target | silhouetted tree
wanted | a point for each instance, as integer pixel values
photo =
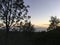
(12, 11)
(54, 21)
(28, 27)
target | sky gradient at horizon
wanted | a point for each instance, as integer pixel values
(42, 10)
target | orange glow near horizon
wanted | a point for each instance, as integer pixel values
(41, 24)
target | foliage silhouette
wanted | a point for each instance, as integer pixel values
(12, 11)
(28, 27)
(54, 22)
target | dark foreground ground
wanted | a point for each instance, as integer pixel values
(30, 38)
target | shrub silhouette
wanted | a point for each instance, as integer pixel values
(54, 21)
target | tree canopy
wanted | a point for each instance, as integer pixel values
(53, 22)
(13, 11)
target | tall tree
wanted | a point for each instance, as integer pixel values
(53, 23)
(12, 11)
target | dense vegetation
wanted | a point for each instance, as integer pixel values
(30, 38)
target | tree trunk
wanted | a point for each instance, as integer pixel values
(7, 29)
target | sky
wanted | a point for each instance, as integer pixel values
(41, 10)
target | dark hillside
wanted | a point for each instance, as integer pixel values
(31, 38)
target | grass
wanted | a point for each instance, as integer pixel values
(30, 38)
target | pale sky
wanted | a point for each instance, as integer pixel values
(41, 10)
